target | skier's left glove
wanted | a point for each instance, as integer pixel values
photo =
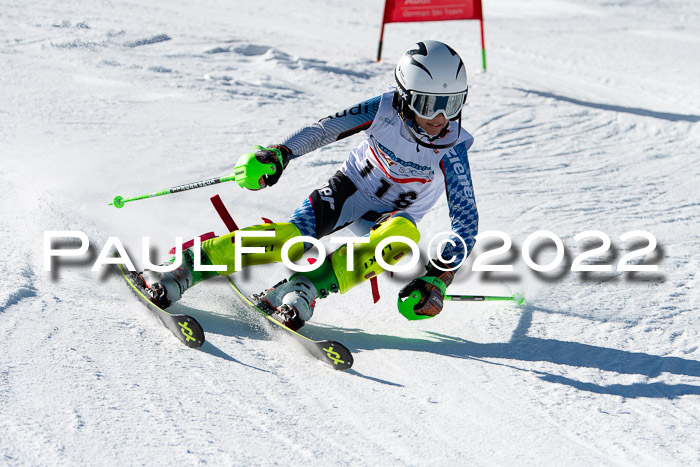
(262, 168)
(423, 297)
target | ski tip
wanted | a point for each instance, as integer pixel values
(189, 331)
(334, 354)
(186, 329)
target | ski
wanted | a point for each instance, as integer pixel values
(184, 327)
(333, 353)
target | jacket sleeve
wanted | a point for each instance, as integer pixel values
(462, 205)
(333, 128)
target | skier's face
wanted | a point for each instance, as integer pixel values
(434, 126)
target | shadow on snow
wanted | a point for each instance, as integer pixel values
(244, 325)
(523, 348)
(616, 108)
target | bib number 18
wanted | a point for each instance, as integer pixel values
(404, 200)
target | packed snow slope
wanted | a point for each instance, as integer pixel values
(587, 120)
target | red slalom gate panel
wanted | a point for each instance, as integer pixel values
(404, 11)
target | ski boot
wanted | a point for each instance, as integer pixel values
(291, 302)
(165, 288)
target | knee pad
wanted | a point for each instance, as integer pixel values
(222, 250)
(364, 264)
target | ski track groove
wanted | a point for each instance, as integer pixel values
(24, 292)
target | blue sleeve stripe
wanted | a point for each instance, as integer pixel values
(461, 203)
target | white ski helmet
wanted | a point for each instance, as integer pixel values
(431, 79)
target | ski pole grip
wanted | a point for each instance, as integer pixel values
(249, 171)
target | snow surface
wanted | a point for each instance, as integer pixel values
(587, 119)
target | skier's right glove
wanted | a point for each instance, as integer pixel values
(263, 168)
(423, 297)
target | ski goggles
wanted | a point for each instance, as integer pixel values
(429, 105)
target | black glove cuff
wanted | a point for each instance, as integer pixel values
(286, 154)
(267, 155)
(445, 276)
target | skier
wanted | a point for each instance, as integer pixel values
(414, 149)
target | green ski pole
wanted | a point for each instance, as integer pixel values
(248, 173)
(484, 298)
(119, 201)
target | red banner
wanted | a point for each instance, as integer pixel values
(402, 11)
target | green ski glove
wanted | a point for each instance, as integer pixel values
(423, 297)
(263, 168)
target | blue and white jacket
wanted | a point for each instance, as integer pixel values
(394, 172)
